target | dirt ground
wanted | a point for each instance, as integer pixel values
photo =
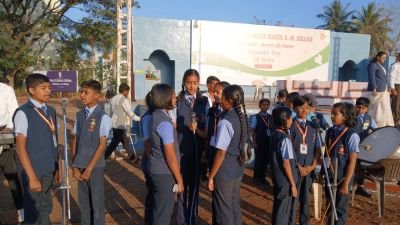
(125, 194)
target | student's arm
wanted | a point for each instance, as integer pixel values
(76, 173)
(289, 173)
(351, 163)
(170, 156)
(219, 158)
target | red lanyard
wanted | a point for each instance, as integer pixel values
(48, 122)
(262, 117)
(303, 133)
(331, 145)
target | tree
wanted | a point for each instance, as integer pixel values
(337, 17)
(371, 20)
(24, 24)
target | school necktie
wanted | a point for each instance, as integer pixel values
(86, 113)
(44, 109)
(191, 100)
(302, 124)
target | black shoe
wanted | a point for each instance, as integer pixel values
(361, 191)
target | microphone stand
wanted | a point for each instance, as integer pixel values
(66, 209)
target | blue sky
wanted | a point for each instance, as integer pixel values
(300, 13)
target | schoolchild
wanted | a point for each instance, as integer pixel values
(213, 117)
(314, 116)
(365, 124)
(37, 151)
(92, 126)
(307, 146)
(192, 110)
(145, 123)
(281, 98)
(261, 127)
(165, 177)
(289, 101)
(211, 81)
(342, 145)
(227, 169)
(284, 166)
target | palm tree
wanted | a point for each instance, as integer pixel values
(337, 17)
(372, 21)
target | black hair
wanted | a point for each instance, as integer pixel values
(235, 94)
(35, 79)
(349, 112)
(281, 115)
(92, 84)
(4, 80)
(263, 100)
(223, 84)
(312, 100)
(283, 93)
(379, 54)
(161, 96)
(123, 87)
(300, 101)
(149, 103)
(211, 79)
(188, 73)
(292, 95)
(363, 101)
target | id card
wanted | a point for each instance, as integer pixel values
(365, 125)
(55, 140)
(268, 132)
(303, 149)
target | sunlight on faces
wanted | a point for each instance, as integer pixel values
(218, 93)
(337, 117)
(41, 92)
(192, 84)
(264, 106)
(302, 111)
(89, 96)
(361, 110)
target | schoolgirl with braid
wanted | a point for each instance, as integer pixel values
(191, 110)
(227, 170)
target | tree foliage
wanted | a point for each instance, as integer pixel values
(337, 17)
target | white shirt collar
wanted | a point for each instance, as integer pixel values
(37, 104)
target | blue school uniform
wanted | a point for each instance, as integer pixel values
(145, 123)
(303, 134)
(214, 116)
(161, 177)
(191, 147)
(41, 148)
(262, 124)
(226, 195)
(91, 124)
(282, 149)
(347, 143)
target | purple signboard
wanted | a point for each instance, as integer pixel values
(63, 81)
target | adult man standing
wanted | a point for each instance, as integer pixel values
(394, 80)
(121, 116)
(8, 160)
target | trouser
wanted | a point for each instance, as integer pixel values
(119, 136)
(163, 201)
(187, 205)
(148, 205)
(91, 198)
(226, 202)
(260, 162)
(37, 205)
(304, 201)
(283, 210)
(8, 165)
(396, 104)
(342, 204)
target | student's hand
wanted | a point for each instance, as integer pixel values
(211, 184)
(303, 171)
(181, 188)
(344, 189)
(193, 127)
(86, 174)
(293, 190)
(76, 174)
(35, 185)
(393, 92)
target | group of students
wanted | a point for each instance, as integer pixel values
(184, 136)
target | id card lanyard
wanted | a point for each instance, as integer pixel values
(50, 124)
(303, 145)
(332, 144)
(266, 124)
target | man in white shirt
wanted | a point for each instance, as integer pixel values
(8, 165)
(394, 79)
(211, 81)
(121, 120)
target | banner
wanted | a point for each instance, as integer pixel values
(63, 81)
(244, 54)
